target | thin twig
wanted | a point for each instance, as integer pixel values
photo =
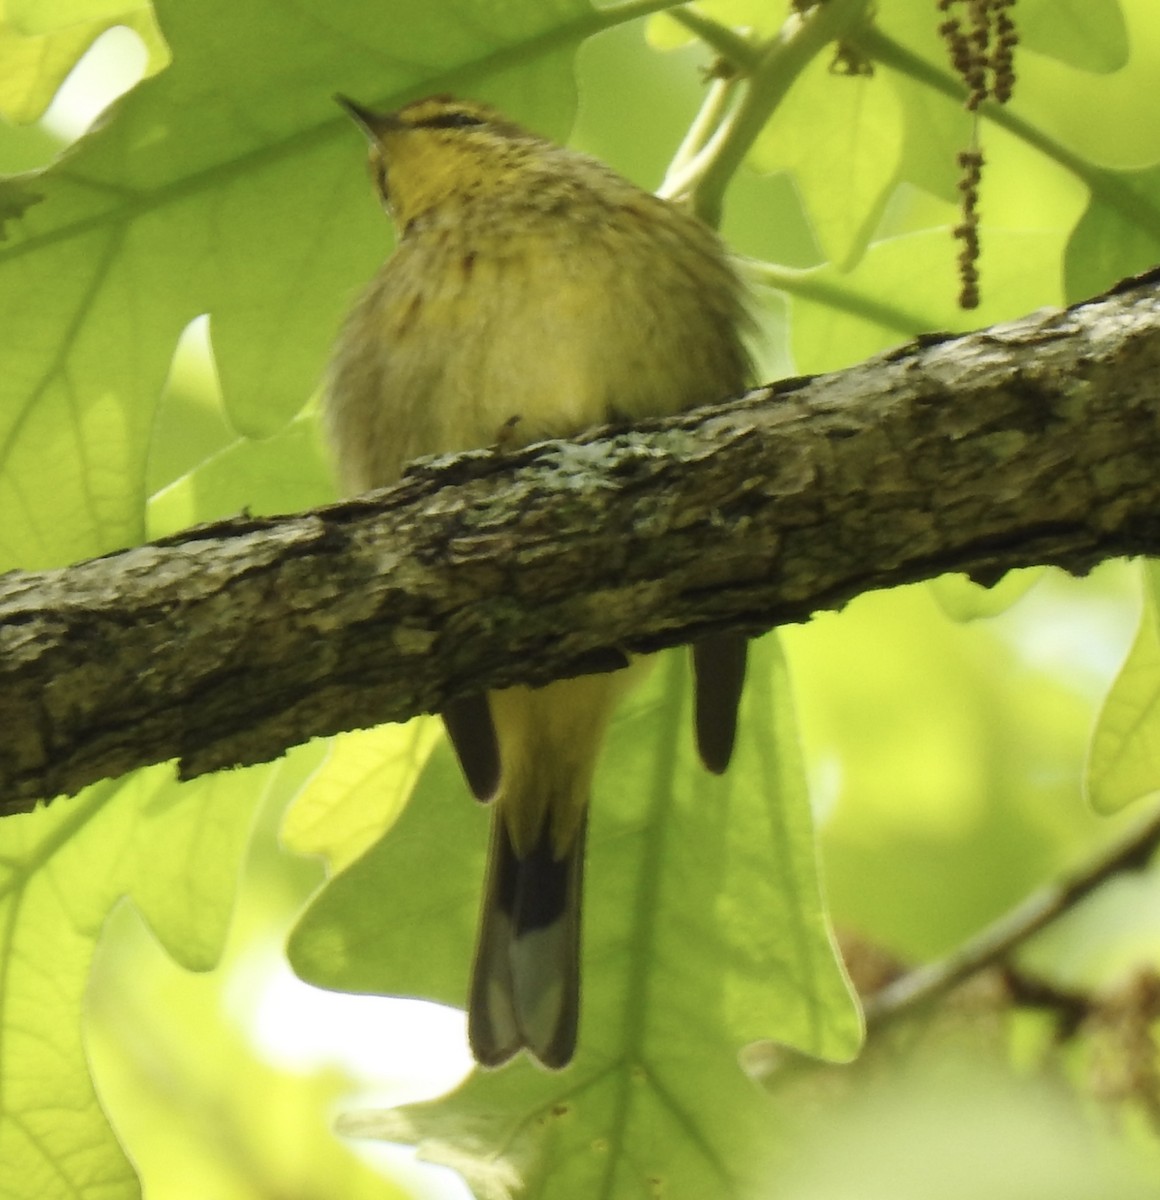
(917, 990)
(920, 987)
(678, 179)
(737, 50)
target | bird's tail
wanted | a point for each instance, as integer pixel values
(525, 989)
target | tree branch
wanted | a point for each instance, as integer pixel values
(1030, 442)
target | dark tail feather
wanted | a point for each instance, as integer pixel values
(719, 671)
(525, 989)
(469, 726)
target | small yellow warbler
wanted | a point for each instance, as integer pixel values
(533, 293)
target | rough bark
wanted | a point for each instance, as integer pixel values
(1030, 442)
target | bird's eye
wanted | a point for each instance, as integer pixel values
(456, 119)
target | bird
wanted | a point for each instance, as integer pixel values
(532, 293)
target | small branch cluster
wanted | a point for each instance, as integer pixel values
(1113, 1030)
(1123, 1065)
(981, 50)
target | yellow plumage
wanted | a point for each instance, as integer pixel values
(533, 293)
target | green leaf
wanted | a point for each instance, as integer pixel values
(1119, 233)
(840, 136)
(936, 125)
(678, 1128)
(947, 757)
(1061, 43)
(908, 285)
(962, 599)
(704, 930)
(16, 197)
(40, 43)
(1060, 100)
(1088, 34)
(936, 128)
(282, 473)
(176, 850)
(1124, 760)
(358, 791)
(758, 19)
(1051, 115)
(50, 16)
(230, 184)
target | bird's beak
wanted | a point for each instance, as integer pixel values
(373, 124)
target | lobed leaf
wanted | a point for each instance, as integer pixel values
(704, 931)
